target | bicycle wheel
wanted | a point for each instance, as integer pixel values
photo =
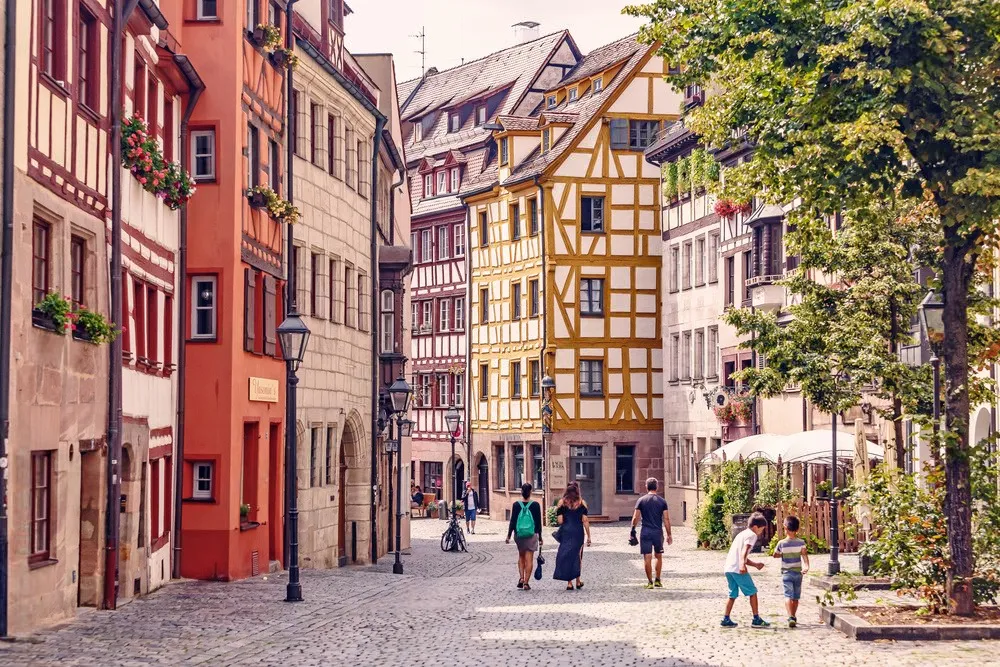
(446, 541)
(461, 540)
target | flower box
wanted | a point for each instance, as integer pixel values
(258, 200)
(279, 58)
(79, 333)
(42, 320)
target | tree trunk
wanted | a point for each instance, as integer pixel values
(897, 402)
(957, 270)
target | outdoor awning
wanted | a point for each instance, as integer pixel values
(762, 446)
(804, 447)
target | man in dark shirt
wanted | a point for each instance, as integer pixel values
(652, 510)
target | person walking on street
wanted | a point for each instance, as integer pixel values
(526, 527)
(471, 499)
(652, 510)
(573, 524)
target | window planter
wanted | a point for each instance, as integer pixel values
(266, 36)
(258, 200)
(42, 320)
(284, 59)
(82, 334)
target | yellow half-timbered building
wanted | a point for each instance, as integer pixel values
(565, 282)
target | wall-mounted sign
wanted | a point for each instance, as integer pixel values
(263, 390)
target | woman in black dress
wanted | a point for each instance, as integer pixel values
(573, 525)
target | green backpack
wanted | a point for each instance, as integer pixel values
(525, 526)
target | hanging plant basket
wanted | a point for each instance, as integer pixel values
(257, 200)
(284, 59)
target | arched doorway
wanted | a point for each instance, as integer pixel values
(129, 533)
(483, 483)
(352, 494)
(459, 478)
(980, 426)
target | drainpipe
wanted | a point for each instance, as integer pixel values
(197, 87)
(392, 205)
(380, 121)
(6, 285)
(468, 323)
(290, 296)
(547, 479)
(113, 518)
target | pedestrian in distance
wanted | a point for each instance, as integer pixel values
(471, 500)
(792, 552)
(651, 509)
(416, 497)
(571, 515)
(526, 527)
(737, 577)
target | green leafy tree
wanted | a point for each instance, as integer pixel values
(849, 101)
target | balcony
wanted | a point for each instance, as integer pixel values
(767, 296)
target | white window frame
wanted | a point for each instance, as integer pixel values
(458, 235)
(460, 313)
(202, 16)
(552, 101)
(597, 85)
(443, 389)
(443, 246)
(480, 115)
(197, 476)
(195, 135)
(459, 389)
(414, 315)
(196, 284)
(426, 246)
(442, 182)
(444, 314)
(388, 303)
(572, 94)
(425, 390)
(427, 322)
(455, 180)
(428, 185)
(418, 130)
(454, 122)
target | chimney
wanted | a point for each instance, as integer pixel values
(431, 71)
(525, 31)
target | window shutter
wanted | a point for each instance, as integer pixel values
(249, 321)
(619, 133)
(270, 316)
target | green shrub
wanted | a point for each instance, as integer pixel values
(710, 524)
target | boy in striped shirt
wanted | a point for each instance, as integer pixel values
(792, 552)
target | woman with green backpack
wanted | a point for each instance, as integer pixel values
(526, 527)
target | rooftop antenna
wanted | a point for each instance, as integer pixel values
(422, 36)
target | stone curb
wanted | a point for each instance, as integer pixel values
(833, 584)
(860, 630)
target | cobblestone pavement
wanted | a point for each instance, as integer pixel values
(463, 609)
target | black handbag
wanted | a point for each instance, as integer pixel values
(538, 567)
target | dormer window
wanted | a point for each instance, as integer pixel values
(503, 151)
(428, 186)
(442, 182)
(481, 115)
(454, 123)
(598, 85)
(552, 101)
(455, 179)
(546, 139)
(418, 131)
(572, 94)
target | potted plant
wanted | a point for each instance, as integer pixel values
(432, 510)
(266, 36)
(93, 327)
(670, 181)
(260, 196)
(823, 490)
(244, 514)
(54, 312)
(282, 57)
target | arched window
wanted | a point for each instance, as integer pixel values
(388, 305)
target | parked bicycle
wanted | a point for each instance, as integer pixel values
(453, 538)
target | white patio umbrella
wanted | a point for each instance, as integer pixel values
(762, 446)
(814, 447)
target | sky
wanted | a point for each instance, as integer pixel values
(470, 29)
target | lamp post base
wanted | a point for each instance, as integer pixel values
(293, 592)
(833, 568)
(397, 568)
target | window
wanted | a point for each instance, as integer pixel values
(484, 230)
(699, 354)
(598, 85)
(712, 353)
(207, 9)
(428, 185)
(53, 38)
(253, 156)
(331, 455)
(515, 301)
(77, 256)
(433, 475)
(364, 302)
(293, 123)
(203, 479)
(675, 368)
(41, 506)
(518, 465)
(87, 86)
(41, 252)
(168, 127)
(314, 265)
(747, 275)
(699, 261)
(425, 390)
(253, 14)
(536, 466)
(314, 133)
(686, 355)
(689, 455)
(515, 379)
(203, 315)
(152, 103)
(139, 307)
(484, 382)
(535, 379)
(533, 217)
(458, 236)
(460, 389)
(546, 139)
(444, 314)
(503, 151)
(592, 377)
(730, 280)
(514, 214)
(533, 306)
(625, 469)
(443, 245)
(455, 180)
(480, 115)
(460, 313)
(713, 258)
(426, 246)
(552, 101)
(442, 182)
(334, 296)
(274, 164)
(442, 387)
(686, 266)
(454, 122)
(591, 296)
(675, 448)
(203, 154)
(500, 456)
(418, 130)
(152, 325)
(364, 170)
(426, 325)
(572, 94)
(642, 133)
(139, 86)
(592, 212)
(675, 268)
(332, 163)
(273, 13)
(484, 305)
(314, 456)
(387, 306)
(414, 317)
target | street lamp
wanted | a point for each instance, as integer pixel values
(931, 313)
(548, 388)
(453, 419)
(294, 336)
(400, 395)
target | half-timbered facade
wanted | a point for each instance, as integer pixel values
(447, 119)
(578, 162)
(234, 414)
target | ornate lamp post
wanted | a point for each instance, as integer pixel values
(454, 420)
(548, 389)
(294, 336)
(931, 312)
(400, 395)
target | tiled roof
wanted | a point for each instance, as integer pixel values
(560, 116)
(518, 123)
(508, 74)
(602, 58)
(473, 178)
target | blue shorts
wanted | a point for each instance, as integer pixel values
(650, 543)
(740, 583)
(470, 515)
(792, 581)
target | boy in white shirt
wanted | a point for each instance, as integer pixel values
(736, 570)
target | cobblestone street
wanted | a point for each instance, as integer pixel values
(464, 609)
